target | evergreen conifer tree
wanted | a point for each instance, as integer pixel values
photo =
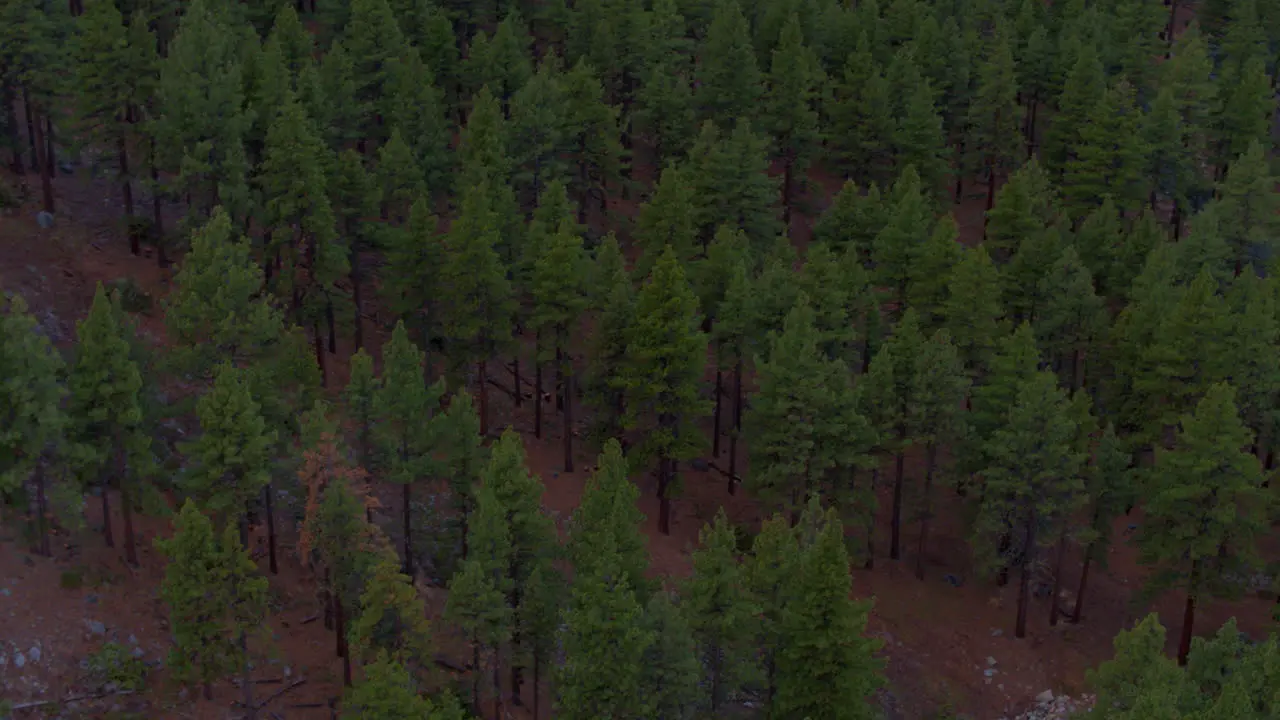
(1249, 205)
(729, 178)
(373, 41)
(994, 115)
(559, 296)
(415, 106)
(665, 356)
(669, 684)
(613, 297)
(668, 222)
(790, 113)
(1110, 487)
(110, 443)
(770, 571)
(852, 221)
(608, 516)
(972, 312)
(215, 599)
(1205, 497)
(721, 619)
(729, 82)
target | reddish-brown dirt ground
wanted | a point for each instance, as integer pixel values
(939, 639)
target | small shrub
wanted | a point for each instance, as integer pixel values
(133, 299)
(113, 664)
(71, 580)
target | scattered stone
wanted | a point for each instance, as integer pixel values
(700, 464)
(44, 219)
(953, 580)
(1045, 697)
(996, 632)
(34, 653)
(19, 660)
(91, 598)
(67, 167)
(5, 592)
(138, 652)
(991, 662)
(26, 560)
(288, 671)
(989, 672)
(96, 627)
(133, 639)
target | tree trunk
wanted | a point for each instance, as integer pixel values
(1002, 549)
(566, 380)
(1189, 615)
(871, 526)
(157, 217)
(1084, 578)
(537, 686)
(318, 342)
(271, 528)
(407, 499)
(1024, 578)
(931, 461)
(106, 514)
(537, 398)
(357, 297)
(475, 673)
(559, 377)
(7, 99)
(1054, 603)
(664, 502)
(333, 322)
(126, 194)
(715, 417)
(42, 159)
(130, 544)
(515, 371)
(326, 601)
(484, 398)
(1173, 15)
(895, 522)
(497, 683)
(246, 680)
(737, 425)
(42, 512)
(208, 690)
(787, 171)
(339, 626)
(32, 140)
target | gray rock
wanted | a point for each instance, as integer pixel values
(5, 592)
(138, 652)
(95, 627)
(34, 653)
(700, 464)
(991, 662)
(19, 660)
(133, 639)
(1045, 697)
(91, 598)
(989, 672)
(67, 167)
(996, 632)
(44, 219)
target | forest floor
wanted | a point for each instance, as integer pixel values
(949, 642)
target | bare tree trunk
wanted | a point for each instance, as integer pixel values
(1055, 604)
(271, 528)
(931, 461)
(566, 381)
(537, 687)
(1024, 578)
(157, 217)
(107, 535)
(871, 526)
(497, 683)
(664, 502)
(42, 511)
(126, 194)
(333, 322)
(1189, 615)
(787, 171)
(559, 376)
(326, 601)
(715, 417)
(246, 681)
(32, 140)
(518, 395)
(7, 99)
(895, 522)
(130, 545)
(357, 296)
(737, 426)
(537, 397)
(1084, 578)
(42, 159)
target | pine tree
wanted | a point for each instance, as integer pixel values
(216, 311)
(1071, 318)
(805, 435)
(934, 418)
(231, 456)
(1245, 116)
(729, 82)
(1083, 90)
(388, 692)
(668, 221)
(790, 113)
(465, 458)
(538, 128)
(559, 296)
(1109, 156)
(215, 599)
(372, 40)
(826, 666)
(200, 119)
(852, 221)
(862, 123)
(899, 245)
(919, 141)
(1204, 499)
(604, 641)
(669, 683)
(613, 297)
(415, 106)
(666, 353)
(335, 107)
(415, 254)
(770, 571)
(607, 516)
(477, 601)
(1025, 206)
(1110, 487)
(730, 183)
(726, 256)
(477, 320)
(539, 619)
(501, 62)
(1140, 681)
(1249, 205)
(664, 106)
(721, 619)
(594, 151)
(34, 418)
(405, 433)
(1032, 484)
(972, 312)
(937, 258)
(114, 78)
(1170, 171)
(992, 138)
(110, 443)
(390, 618)
(1255, 370)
